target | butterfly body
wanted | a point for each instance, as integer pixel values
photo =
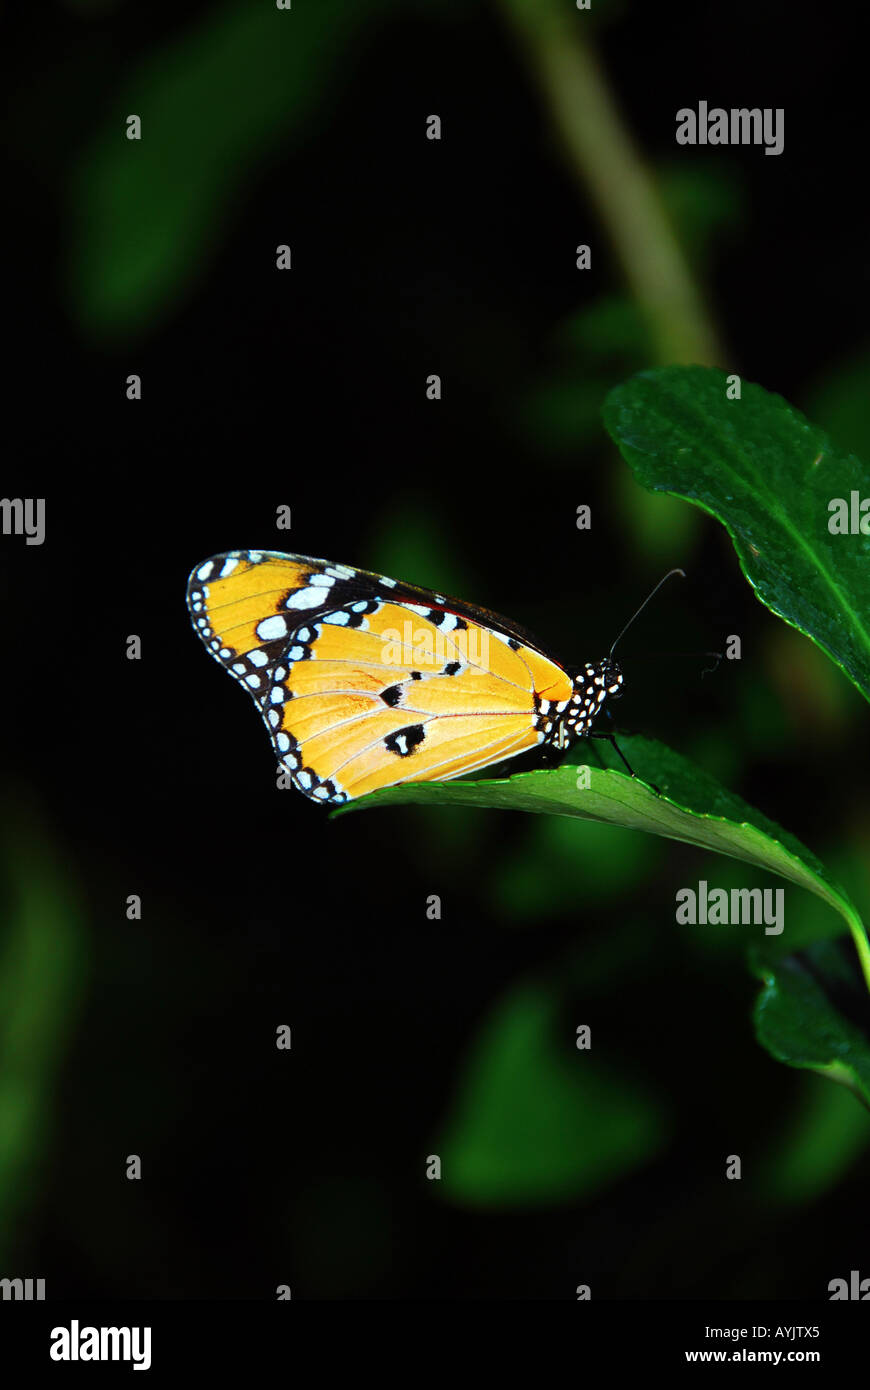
(364, 682)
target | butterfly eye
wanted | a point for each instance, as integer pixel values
(613, 678)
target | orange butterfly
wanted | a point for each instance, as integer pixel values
(364, 682)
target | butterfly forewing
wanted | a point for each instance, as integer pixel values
(365, 682)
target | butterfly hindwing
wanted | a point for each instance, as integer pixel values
(364, 682)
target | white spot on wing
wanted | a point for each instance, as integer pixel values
(273, 627)
(305, 598)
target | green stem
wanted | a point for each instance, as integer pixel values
(859, 936)
(604, 157)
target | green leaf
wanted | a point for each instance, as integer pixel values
(693, 807)
(812, 1013)
(536, 1122)
(759, 467)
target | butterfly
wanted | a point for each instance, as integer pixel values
(364, 682)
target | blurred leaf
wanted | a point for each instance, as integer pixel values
(762, 720)
(564, 862)
(815, 1151)
(809, 692)
(150, 215)
(536, 1122)
(660, 526)
(414, 539)
(839, 403)
(610, 328)
(40, 984)
(808, 918)
(764, 471)
(804, 1015)
(705, 202)
(563, 410)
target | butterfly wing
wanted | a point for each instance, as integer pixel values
(364, 682)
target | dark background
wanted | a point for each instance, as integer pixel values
(307, 389)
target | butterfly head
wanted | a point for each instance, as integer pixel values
(611, 674)
(595, 683)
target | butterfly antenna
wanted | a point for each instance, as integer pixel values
(662, 581)
(708, 670)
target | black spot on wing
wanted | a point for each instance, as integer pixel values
(404, 741)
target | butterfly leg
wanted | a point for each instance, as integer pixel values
(611, 739)
(603, 733)
(551, 755)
